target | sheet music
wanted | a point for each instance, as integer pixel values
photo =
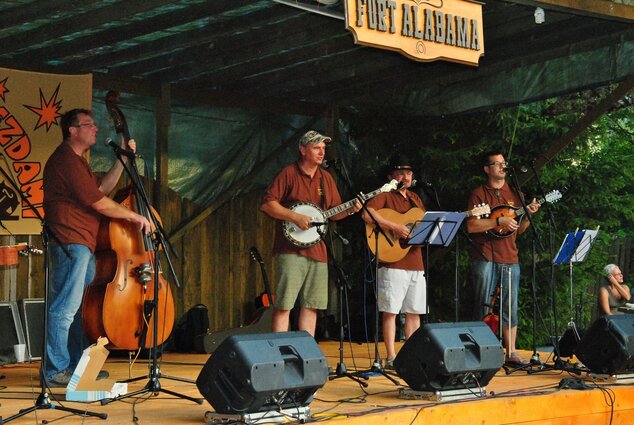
(436, 228)
(575, 247)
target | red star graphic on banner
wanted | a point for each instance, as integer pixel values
(48, 110)
(3, 88)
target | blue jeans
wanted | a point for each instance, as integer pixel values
(65, 334)
(486, 276)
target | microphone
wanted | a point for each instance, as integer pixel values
(341, 238)
(119, 150)
(332, 163)
(508, 169)
(523, 169)
(400, 185)
(426, 184)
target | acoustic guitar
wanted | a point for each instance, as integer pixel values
(400, 248)
(9, 254)
(265, 299)
(517, 213)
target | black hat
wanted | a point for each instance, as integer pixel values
(399, 162)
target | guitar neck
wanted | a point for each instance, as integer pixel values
(347, 205)
(265, 278)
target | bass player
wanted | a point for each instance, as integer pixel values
(502, 260)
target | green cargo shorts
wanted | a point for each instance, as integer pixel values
(302, 277)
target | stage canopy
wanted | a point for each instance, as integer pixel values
(242, 76)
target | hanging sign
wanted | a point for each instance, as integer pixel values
(423, 30)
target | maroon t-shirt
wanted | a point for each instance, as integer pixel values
(292, 185)
(393, 200)
(498, 250)
(70, 188)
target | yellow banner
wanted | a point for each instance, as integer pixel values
(423, 30)
(31, 105)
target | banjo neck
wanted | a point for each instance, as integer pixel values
(347, 205)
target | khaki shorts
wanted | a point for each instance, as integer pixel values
(401, 291)
(301, 277)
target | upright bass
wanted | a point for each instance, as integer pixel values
(119, 303)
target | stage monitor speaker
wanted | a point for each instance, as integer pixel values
(261, 372)
(607, 347)
(569, 341)
(449, 356)
(32, 315)
(10, 331)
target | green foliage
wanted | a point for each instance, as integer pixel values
(597, 168)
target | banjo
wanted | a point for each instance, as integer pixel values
(319, 221)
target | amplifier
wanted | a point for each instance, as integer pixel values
(10, 331)
(32, 313)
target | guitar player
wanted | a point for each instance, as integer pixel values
(502, 261)
(302, 272)
(401, 284)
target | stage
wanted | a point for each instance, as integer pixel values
(515, 398)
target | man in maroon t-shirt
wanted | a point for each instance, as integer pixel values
(74, 201)
(401, 284)
(302, 272)
(502, 260)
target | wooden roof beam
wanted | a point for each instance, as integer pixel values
(591, 116)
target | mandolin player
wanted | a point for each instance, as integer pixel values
(502, 261)
(302, 272)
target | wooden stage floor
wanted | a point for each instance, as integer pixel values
(517, 398)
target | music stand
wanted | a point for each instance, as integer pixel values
(574, 249)
(436, 228)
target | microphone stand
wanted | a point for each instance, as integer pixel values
(151, 307)
(534, 361)
(43, 400)
(377, 365)
(343, 286)
(552, 225)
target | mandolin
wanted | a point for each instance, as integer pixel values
(517, 213)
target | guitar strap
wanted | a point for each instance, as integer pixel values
(323, 191)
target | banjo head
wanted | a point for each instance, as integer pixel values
(310, 237)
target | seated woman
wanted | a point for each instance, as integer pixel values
(615, 294)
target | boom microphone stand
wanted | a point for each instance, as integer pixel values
(343, 286)
(151, 307)
(43, 400)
